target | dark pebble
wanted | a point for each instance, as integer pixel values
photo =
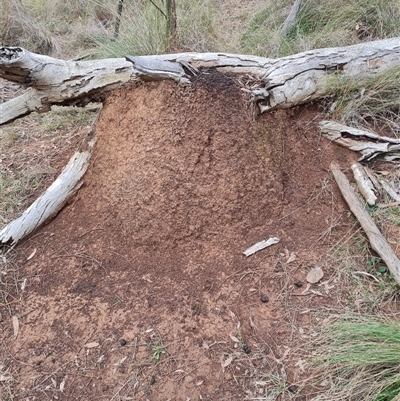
(122, 342)
(292, 389)
(264, 299)
(246, 349)
(298, 283)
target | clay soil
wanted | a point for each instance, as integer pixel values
(139, 289)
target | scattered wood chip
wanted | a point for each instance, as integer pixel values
(31, 255)
(15, 323)
(314, 275)
(93, 344)
(260, 245)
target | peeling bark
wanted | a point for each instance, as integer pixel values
(369, 144)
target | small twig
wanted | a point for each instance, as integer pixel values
(159, 9)
(123, 386)
(89, 231)
(366, 274)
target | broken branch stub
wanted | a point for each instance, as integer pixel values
(51, 201)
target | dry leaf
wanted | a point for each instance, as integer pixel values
(225, 363)
(315, 274)
(32, 254)
(291, 258)
(15, 322)
(234, 339)
(91, 345)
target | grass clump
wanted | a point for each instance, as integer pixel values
(321, 24)
(360, 357)
(372, 102)
(18, 27)
(143, 30)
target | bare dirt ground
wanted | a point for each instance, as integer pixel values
(139, 289)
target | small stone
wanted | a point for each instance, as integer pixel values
(298, 283)
(292, 389)
(264, 299)
(122, 342)
(246, 349)
(152, 380)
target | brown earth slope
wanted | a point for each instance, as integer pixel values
(183, 180)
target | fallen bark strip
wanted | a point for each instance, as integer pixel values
(376, 239)
(284, 82)
(51, 201)
(384, 147)
(364, 184)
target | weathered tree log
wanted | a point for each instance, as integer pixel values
(52, 201)
(376, 239)
(284, 82)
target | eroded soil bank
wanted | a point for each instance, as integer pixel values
(183, 180)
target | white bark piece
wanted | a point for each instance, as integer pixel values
(260, 245)
(386, 148)
(51, 201)
(364, 184)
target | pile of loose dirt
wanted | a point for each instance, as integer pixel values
(183, 180)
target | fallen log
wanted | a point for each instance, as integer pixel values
(281, 83)
(284, 82)
(376, 239)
